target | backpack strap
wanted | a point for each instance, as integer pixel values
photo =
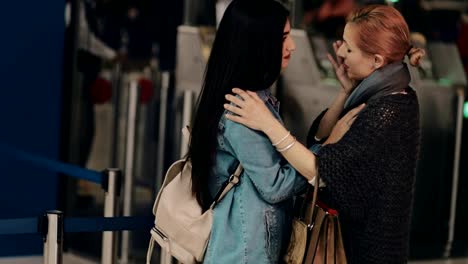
(149, 253)
(228, 185)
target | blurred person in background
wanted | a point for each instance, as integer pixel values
(327, 16)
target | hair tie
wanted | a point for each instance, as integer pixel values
(409, 50)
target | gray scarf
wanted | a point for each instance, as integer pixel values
(391, 78)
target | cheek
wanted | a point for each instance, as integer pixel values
(360, 71)
(351, 62)
(356, 64)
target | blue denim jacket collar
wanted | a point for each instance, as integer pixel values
(266, 96)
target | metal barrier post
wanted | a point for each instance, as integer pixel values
(111, 185)
(456, 166)
(186, 118)
(129, 164)
(53, 244)
(165, 77)
(116, 97)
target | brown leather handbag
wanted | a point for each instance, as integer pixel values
(316, 234)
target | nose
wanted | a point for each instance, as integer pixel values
(290, 45)
(341, 51)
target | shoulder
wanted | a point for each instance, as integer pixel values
(408, 98)
(389, 110)
(233, 131)
(401, 103)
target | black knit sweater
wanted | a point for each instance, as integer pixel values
(370, 176)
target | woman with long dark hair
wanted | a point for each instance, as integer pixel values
(367, 161)
(252, 222)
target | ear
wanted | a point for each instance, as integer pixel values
(379, 61)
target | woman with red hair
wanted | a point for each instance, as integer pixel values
(365, 145)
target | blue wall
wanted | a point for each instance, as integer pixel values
(31, 49)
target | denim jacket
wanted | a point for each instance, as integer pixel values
(252, 222)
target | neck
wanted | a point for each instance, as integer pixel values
(391, 78)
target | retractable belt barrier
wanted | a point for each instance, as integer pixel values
(52, 165)
(36, 225)
(53, 224)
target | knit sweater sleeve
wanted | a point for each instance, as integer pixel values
(351, 166)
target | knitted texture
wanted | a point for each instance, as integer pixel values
(370, 176)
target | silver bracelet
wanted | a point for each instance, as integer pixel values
(281, 140)
(288, 146)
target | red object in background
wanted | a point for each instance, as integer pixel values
(146, 90)
(101, 91)
(462, 44)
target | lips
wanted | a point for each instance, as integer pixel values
(287, 56)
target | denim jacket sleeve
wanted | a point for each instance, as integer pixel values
(262, 164)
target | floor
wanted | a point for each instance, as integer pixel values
(449, 261)
(72, 259)
(67, 259)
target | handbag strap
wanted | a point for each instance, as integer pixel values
(310, 213)
(229, 184)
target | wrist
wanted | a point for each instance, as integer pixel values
(345, 92)
(277, 133)
(270, 127)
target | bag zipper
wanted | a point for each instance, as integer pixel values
(160, 233)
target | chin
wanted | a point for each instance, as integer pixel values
(354, 77)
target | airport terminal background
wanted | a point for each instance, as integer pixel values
(101, 84)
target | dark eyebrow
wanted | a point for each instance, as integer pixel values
(286, 33)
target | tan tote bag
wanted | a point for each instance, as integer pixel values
(316, 234)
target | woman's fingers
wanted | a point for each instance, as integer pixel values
(353, 113)
(255, 96)
(336, 46)
(234, 109)
(358, 109)
(332, 61)
(237, 119)
(234, 99)
(245, 96)
(351, 121)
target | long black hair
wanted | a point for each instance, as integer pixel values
(246, 53)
